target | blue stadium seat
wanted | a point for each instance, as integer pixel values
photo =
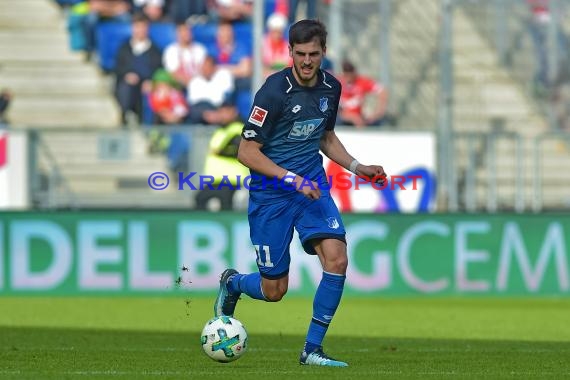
(147, 114)
(269, 7)
(244, 100)
(68, 2)
(162, 34)
(110, 37)
(243, 32)
(205, 33)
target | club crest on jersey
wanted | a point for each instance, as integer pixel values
(303, 129)
(324, 104)
(257, 116)
(333, 223)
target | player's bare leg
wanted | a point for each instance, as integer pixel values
(274, 290)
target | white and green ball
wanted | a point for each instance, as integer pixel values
(224, 339)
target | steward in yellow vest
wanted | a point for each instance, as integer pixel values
(222, 164)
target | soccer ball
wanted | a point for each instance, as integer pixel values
(224, 339)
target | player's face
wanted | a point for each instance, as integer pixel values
(307, 59)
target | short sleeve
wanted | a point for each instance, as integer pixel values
(169, 59)
(263, 116)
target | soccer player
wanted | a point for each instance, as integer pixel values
(293, 116)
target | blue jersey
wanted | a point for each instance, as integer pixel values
(289, 120)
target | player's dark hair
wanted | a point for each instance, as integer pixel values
(305, 30)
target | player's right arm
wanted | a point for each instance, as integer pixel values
(266, 111)
(250, 155)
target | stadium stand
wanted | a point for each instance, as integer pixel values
(111, 35)
(488, 96)
(51, 85)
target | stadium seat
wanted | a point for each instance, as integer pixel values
(270, 6)
(205, 33)
(147, 113)
(110, 37)
(243, 32)
(162, 34)
(68, 2)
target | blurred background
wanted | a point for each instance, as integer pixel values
(465, 102)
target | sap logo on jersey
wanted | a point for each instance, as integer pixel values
(303, 129)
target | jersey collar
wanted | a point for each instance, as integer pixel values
(322, 75)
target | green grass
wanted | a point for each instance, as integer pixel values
(427, 338)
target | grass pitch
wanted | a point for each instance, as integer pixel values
(424, 338)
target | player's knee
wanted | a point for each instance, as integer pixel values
(275, 293)
(339, 264)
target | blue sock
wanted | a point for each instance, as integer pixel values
(249, 284)
(325, 304)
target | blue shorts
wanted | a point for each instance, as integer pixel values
(271, 229)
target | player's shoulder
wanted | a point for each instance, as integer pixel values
(330, 81)
(279, 83)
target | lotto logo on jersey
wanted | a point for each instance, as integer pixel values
(303, 129)
(257, 116)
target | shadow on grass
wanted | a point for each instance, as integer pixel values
(47, 353)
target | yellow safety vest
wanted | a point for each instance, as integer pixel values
(222, 156)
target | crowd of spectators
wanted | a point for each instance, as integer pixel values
(180, 62)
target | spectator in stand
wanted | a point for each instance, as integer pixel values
(275, 50)
(169, 106)
(233, 55)
(137, 60)
(539, 26)
(311, 9)
(166, 100)
(355, 89)
(103, 10)
(153, 9)
(231, 10)
(184, 58)
(188, 10)
(222, 164)
(211, 95)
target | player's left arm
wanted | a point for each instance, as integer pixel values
(333, 148)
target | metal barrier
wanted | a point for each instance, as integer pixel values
(45, 175)
(473, 164)
(538, 152)
(106, 168)
(484, 157)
